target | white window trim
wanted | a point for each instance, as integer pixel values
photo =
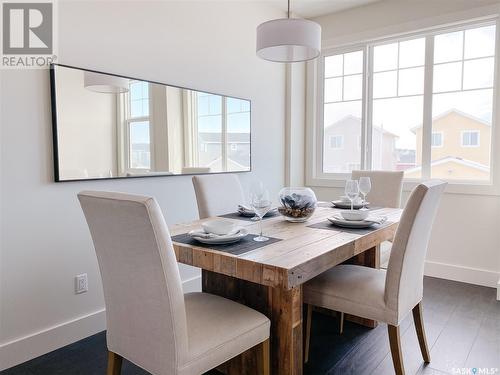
(226, 146)
(442, 140)
(314, 101)
(470, 131)
(124, 134)
(319, 134)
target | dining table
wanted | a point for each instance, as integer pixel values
(268, 276)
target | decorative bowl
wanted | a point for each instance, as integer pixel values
(297, 204)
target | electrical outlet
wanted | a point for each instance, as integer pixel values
(81, 283)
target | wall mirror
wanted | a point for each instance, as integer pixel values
(108, 126)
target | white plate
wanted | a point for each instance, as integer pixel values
(272, 211)
(351, 223)
(219, 240)
(347, 205)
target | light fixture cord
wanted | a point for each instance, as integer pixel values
(288, 13)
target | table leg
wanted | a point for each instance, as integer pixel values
(368, 258)
(284, 309)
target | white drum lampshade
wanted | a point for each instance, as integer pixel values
(288, 40)
(105, 83)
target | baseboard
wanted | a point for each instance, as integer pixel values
(192, 285)
(461, 273)
(39, 343)
(36, 344)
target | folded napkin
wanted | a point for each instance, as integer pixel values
(370, 219)
(249, 210)
(242, 207)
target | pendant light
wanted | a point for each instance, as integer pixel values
(105, 83)
(288, 39)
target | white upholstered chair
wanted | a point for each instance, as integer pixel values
(385, 192)
(150, 322)
(386, 296)
(386, 187)
(217, 194)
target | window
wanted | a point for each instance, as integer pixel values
(470, 138)
(437, 139)
(343, 92)
(394, 103)
(223, 133)
(138, 126)
(336, 141)
(397, 100)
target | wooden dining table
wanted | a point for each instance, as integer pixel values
(270, 278)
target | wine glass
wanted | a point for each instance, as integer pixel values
(256, 189)
(352, 191)
(365, 185)
(261, 204)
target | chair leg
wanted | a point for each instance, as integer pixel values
(266, 358)
(307, 343)
(395, 343)
(114, 364)
(341, 322)
(419, 326)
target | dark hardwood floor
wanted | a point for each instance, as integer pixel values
(462, 323)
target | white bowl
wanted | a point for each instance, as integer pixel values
(218, 226)
(355, 215)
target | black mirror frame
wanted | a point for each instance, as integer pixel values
(55, 141)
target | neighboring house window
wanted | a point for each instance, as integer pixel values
(138, 134)
(437, 139)
(353, 166)
(336, 141)
(394, 93)
(234, 147)
(470, 138)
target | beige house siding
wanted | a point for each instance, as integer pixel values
(451, 126)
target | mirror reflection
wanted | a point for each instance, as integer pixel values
(108, 126)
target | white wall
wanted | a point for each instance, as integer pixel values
(465, 244)
(45, 242)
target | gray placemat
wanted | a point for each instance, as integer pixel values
(237, 216)
(243, 246)
(327, 225)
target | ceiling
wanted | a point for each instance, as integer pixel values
(314, 8)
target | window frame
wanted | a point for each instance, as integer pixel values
(320, 141)
(315, 143)
(226, 146)
(127, 122)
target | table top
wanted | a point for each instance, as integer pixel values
(302, 253)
